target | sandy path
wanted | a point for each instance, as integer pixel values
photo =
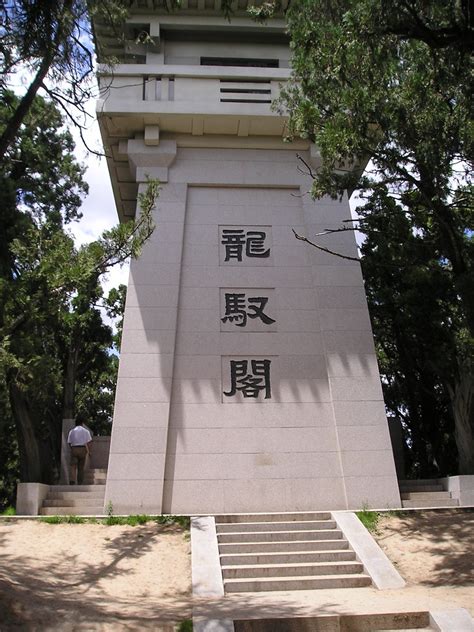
(431, 548)
(92, 577)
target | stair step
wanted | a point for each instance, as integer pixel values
(419, 481)
(75, 495)
(413, 504)
(71, 502)
(308, 525)
(421, 488)
(422, 495)
(76, 488)
(273, 517)
(93, 510)
(265, 584)
(288, 547)
(279, 536)
(291, 570)
(288, 558)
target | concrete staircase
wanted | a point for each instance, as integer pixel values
(95, 476)
(425, 493)
(288, 551)
(77, 500)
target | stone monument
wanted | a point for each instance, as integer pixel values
(248, 380)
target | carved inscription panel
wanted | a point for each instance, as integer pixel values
(245, 246)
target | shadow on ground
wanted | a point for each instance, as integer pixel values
(58, 597)
(445, 535)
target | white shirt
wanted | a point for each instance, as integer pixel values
(79, 436)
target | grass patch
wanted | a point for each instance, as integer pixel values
(131, 521)
(185, 626)
(111, 520)
(65, 519)
(9, 511)
(135, 520)
(181, 521)
(369, 519)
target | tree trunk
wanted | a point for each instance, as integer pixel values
(31, 469)
(462, 397)
(70, 383)
(13, 125)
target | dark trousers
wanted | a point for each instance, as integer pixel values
(78, 460)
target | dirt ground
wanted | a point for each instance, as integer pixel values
(430, 548)
(92, 577)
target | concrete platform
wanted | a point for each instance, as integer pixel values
(336, 603)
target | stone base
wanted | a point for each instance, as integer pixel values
(461, 488)
(29, 498)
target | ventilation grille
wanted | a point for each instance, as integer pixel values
(245, 92)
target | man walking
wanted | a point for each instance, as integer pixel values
(79, 440)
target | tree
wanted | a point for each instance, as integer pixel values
(393, 82)
(52, 39)
(410, 306)
(54, 348)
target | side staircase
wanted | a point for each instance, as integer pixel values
(77, 500)
(425, 493)
(287, 551)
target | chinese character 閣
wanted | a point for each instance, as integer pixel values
(249, 377)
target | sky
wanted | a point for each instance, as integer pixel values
(98, 207)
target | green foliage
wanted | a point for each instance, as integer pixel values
(393, 83)
(185, 626)
(131, 521)
(369, 519)
(56, 353)
(53, 40)
(111, 520)
(64, 519)
(135, 520)
(9, 511)
(182, 521)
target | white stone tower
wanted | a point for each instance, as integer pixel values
(248, 379)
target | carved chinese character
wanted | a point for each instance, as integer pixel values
(238, 309)
(234, 240)
(249, 377)
(255, 246)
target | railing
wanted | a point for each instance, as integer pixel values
(200, 87)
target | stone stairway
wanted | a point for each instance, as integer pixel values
(77, 500)
(288, 551)
(95, 476)
(425, 493)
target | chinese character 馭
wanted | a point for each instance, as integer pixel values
(238, 308)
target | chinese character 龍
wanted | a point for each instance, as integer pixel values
(234, 240)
